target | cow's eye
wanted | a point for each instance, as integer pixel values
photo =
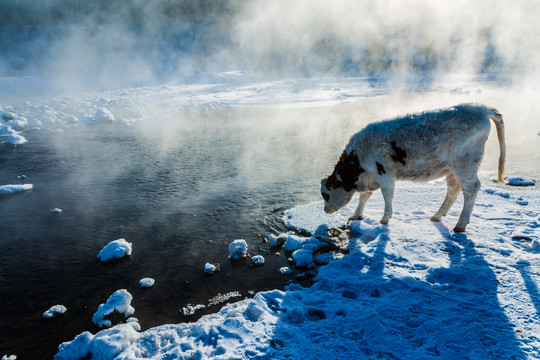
(326, 197)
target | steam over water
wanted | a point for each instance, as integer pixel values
(194, 170)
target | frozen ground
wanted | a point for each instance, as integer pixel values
(410, 290)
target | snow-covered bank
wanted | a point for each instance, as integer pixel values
(413, 289)
(195, 93)
(13, 188)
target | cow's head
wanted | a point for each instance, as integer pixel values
(338, 189)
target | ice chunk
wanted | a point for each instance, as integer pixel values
(189, 309)
(303, 258)
(146, 282)
(277, 240)
(7, 116)
(56, 211)
(10, 189)
(16, 139)
(10, 357)
(116, 249)
(120, 301)
(285, 270)
(54, 311)
(238, 249)
(209, 268)
(258, 260)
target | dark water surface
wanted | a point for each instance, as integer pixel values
(179, 189)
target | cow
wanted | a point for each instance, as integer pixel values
(418, 147)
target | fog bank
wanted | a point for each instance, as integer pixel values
(141, 42)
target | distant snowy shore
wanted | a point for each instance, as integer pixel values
(413, 289)
(192, 93)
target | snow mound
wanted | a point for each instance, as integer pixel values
(238, 249)
(16, 139)
(257, 260)
(10, 189)
(116, 249)
(146, 282)
(106, 344)
(120, 302)
(104, 115)
(54, 311)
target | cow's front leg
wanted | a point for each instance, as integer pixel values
(387, 190)
(362, 199)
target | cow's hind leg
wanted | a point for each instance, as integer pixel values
(470, 186)
(362, 199)
(452, 192)
(387, 190)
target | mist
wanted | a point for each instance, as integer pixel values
(137, 42)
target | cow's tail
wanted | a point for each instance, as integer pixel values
(497, 119)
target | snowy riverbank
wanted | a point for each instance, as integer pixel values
(413, 289)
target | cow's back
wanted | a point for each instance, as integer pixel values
(426, 145)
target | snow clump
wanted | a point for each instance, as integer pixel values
(120, 301)
(54, 311)
(146, 282)
(56, 211)
(286, 270)
(238, 249)
(303, 258)
(209, 268)
(116, 249)
(10, 357)
(257, 260)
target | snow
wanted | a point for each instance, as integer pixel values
(55, 310)
(303, 258)
(10, 189)
(285, 270)
(257, 260)
(56, 211)
(412, 289)
(209, 268)
(103, 115)
(120, 302)
(10, 357)
(189, 93)
(238, 249)
(116, 249)
(146, 282)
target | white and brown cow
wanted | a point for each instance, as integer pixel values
(424, 146)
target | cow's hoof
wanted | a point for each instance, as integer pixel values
(384, 222)
(459, 229)
(435, 219)
(352, 218)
